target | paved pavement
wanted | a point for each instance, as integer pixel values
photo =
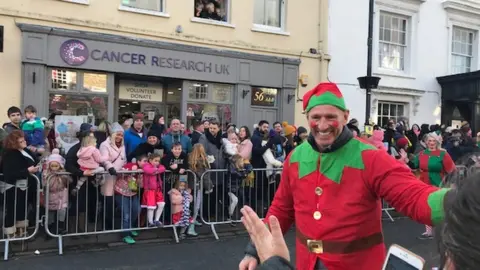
(197, 254)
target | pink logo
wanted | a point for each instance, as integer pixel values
(74, 52)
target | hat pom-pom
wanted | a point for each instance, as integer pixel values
(284, 123)
(55, 151)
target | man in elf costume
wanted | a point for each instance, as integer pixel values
(332, 186)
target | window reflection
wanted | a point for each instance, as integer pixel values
(95, 82)
(94, 108)
(63, 79)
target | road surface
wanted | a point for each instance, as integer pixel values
(206, 254)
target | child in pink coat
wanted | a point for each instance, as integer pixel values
(377, 139)
(57, 185)
(152, 198)
(89, 159)
(181, 198)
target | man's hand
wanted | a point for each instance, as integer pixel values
(173, 166)
(182, 171)
(268, 244)
(248, 263)
(33, 169)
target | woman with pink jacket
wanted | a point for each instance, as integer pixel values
(245, 146)
(377, 139)
(113, 150)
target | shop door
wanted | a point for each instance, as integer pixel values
(264, 114)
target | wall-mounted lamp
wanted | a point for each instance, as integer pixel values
(34, 77)
(245, 93)
(290, 97)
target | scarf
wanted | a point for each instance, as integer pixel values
(185, 219)
(217, 141)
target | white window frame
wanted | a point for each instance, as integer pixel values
(228, 23)
(161, 13)
(81, 2)
(474, 49)
(390, 103)
(467, 17)
(410, 12)
(271, 29)
(402, 58)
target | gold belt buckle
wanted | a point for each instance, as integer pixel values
(315, 246)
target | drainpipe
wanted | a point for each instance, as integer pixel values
(322, 47)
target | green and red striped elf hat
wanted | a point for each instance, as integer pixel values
(324, 94)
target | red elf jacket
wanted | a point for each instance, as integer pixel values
(334, 198)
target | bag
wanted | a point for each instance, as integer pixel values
(132, 184)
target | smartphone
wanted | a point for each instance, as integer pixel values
(399, 258)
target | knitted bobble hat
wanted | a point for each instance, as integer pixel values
(288, 129)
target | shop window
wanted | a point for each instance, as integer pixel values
(217, 10)
(95, 82)
(264, 97)
(222, 113)
(174, 93)
(93, 108)
(64, 79)
(198, 91)
(150, 5)
(221, 93)
(269, 13)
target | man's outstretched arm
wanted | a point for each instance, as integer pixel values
(282, 207)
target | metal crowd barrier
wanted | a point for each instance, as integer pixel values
(18, 203)
(221, 204)
(218, 195)
(97, 209)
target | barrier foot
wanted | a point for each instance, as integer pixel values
(5, 253)
(175, 234)
(60, 245)
(214, 231)
(388, 214)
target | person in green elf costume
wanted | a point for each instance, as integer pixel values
(434, 163)
(332, 186)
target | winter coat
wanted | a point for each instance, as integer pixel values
(184, 140)
(132, 139)
(212, 150)
(57, 190)
(176, 199)
(33, 129)
(377, 139)
(195, 136)
(258, 150)
(15, 166)
(90, 157)
(230, 148)
(152, 177)
(144, 149)
(245, 149)
(115, 158)
(9, 127)
(271, 162)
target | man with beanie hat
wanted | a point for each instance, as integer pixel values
(135, 135)
(332, 187)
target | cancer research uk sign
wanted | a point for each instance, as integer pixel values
(140, 91)
(114, 57)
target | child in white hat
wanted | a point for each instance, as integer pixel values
(56, 196)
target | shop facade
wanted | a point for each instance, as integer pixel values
(103, 76)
